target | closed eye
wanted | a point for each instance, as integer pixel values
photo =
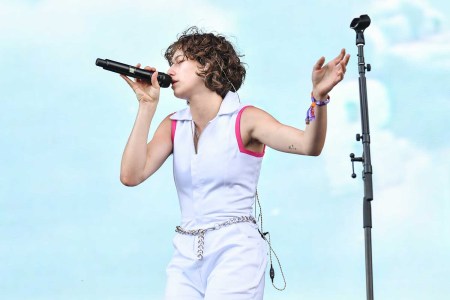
(178, 60)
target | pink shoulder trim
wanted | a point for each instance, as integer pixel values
(173, 128)
(237, 128)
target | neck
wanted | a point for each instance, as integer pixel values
(204, 107)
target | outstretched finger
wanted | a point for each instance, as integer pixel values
(346, 59)
(339, 57)
(319, 63)
(343, 65)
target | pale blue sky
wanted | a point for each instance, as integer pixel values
(70, 230)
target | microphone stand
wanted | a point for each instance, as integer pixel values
(359, 25)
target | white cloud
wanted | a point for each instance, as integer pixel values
(383, 6)
(409, 181)
(344, 120)
(68, 35)
(410, 30)
(434, 49)
(62, 21)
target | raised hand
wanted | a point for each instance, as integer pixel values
(144, 90)
(326, 77)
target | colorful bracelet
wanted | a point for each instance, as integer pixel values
(310, 115)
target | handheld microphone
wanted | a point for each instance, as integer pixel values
(164, 80)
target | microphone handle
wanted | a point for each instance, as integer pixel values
(164, 80)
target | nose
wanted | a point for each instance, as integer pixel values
(171, 71)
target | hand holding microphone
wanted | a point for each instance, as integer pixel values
(148, 80)
(145, 91)
(164, 80)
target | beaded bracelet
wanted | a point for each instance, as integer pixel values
(310, 116)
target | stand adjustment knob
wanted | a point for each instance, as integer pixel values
(353, 159)
(369, 67)
(358, 137)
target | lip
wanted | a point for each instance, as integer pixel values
(173, 83)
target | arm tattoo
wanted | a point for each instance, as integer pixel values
(291, 147)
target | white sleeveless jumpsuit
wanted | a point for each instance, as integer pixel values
(214, 185)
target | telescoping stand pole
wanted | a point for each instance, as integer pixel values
(359, 25)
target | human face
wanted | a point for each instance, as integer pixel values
(185, 81)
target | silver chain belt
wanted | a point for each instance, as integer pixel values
(201, 232)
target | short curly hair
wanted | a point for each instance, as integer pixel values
(223, 70)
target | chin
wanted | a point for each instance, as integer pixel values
(180, 95)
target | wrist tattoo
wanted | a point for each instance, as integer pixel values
(292, 147)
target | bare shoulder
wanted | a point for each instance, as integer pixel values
(254, 112)
(258, 125)
(166, 123)
(163, 133)
(253, 118)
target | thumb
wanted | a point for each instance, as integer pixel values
(319, 63)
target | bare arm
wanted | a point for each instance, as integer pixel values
(140, 160)
(267, 130)
(264, 128)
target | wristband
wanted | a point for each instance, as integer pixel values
(320, 102)
(310, 115)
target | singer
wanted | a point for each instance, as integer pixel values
(218, 144)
